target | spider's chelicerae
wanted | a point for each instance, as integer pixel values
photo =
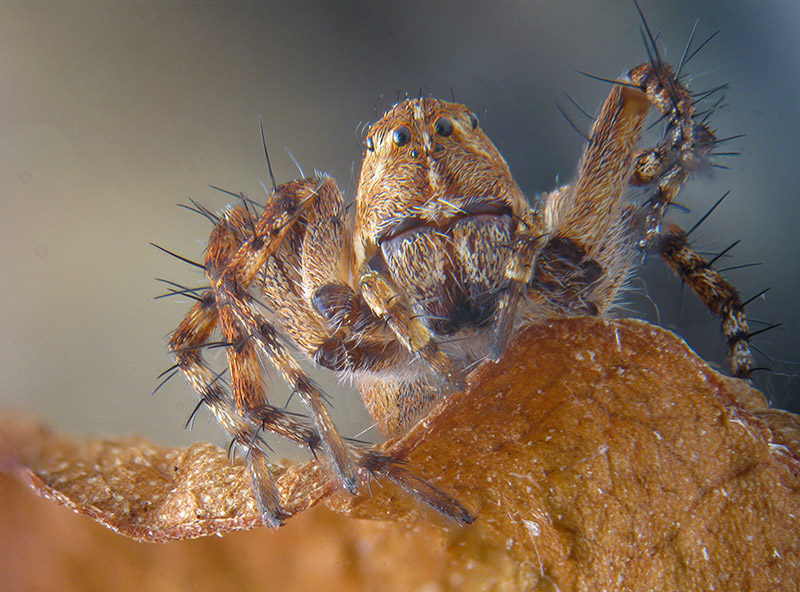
(445, 259)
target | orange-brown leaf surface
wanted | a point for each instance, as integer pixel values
(596, 454)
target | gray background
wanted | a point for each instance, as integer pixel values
(114, 112)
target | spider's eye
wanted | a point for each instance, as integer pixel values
(444, 126)
(370, 144)
(473, 121)
(401, 135)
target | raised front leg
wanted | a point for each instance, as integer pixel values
(593, 232)
(589, 241)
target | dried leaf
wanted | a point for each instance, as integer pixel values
(596, 454)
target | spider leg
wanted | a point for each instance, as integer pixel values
(195, 330)
(232, 275)
(586, 211)
(591, 231)
(588, 223)
(247, 383)
(381, 465)
(411, 332)
(715, 291)
(236, 250)
(685, 146)
(588, 247)
(518, 273)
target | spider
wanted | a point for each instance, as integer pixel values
(444, 260)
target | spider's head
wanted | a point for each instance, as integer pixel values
(423, 161)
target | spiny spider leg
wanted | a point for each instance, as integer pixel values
(265, 337)
(196, 329)
(715, 291)
(686, 146)
(588, 224)
(231, 278)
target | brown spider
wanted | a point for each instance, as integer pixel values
(444, 261)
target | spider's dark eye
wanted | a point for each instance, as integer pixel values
(473, 121)
(444, 126)
(401, 135)
(370, 144)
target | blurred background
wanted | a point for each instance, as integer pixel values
(112, 113)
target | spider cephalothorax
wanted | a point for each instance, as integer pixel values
(444, 260)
